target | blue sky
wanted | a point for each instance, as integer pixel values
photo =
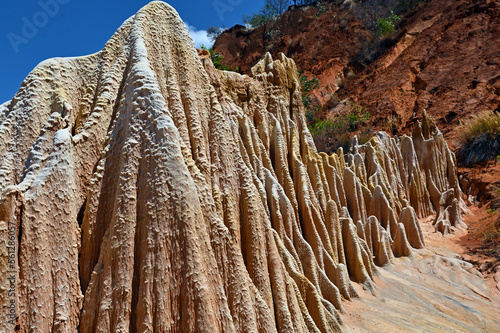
(34, 30)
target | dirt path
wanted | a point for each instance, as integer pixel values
(432, 291)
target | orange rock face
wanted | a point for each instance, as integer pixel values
(152, 193)
(444, 59)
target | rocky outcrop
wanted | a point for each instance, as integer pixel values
(150, 192)
(444, 59)
(321, 43)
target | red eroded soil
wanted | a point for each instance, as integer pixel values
(446, 60)
(482, 184)
(481, 244)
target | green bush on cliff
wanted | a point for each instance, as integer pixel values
(266, 14)
(387, 25)
(338, 131)
(306, 86)
(217, 58)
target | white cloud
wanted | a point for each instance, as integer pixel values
(200, 37)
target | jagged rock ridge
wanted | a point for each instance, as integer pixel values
(151, 192)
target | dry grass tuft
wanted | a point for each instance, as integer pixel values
(479, 139)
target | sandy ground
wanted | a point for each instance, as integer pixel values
(434, 290)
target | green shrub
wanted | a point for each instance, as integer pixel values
(331, 134)
(306, 87)
(479, 139)
(387, 25)
(255, 20)
(358, 115)
(321, 8)
(342, 123)
(217, 58)
(321, 126)
(266, 14)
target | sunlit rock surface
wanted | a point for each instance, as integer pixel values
(151, 192)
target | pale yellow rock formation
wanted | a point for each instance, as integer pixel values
(154, 193)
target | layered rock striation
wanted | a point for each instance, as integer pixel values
(152, 192)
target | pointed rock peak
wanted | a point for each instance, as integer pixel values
(429, 127)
